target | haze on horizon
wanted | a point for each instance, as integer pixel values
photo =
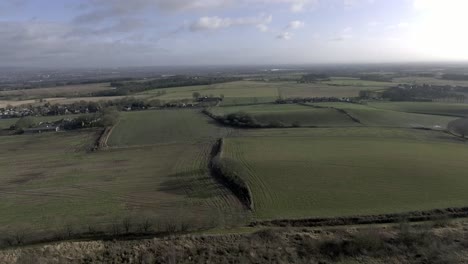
(81, 33)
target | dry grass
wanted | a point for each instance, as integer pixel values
(396, 244)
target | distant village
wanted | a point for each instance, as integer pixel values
(83, 107)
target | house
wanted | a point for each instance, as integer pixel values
(42, 128)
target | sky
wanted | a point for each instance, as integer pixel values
(119, 33)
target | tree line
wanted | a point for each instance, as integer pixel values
(130, 87)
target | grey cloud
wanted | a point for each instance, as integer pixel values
(51, 44)
(99, 10)
(284, 35)
(12, 5)
(214, 23)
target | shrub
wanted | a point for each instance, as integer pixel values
(24, 123)
(296, 124)
(267, 235)
(146, 226)
(230, 173)
(127, 224)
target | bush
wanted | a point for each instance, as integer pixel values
(146, 225)
(296, 124)
(230, 173)
(24, 123)
(267, 235)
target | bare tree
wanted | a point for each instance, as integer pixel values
(127, 224)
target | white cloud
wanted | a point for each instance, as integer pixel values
(352, 3)
(284, 35)
(345, 34)
(347, 29)
(401, 25)
(296, 24)
(263, 27)
(439, 29)
(215, 22)
(294, 5)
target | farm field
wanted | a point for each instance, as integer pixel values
(240, 89)
(6, 123)
(336, 87)
(429, 80)
(290, 114)
(244, 92)
(450, 109)
(297, 173)
(58, 91)
(370, 116)
(357, 82)
(49, 181)
(164, 127)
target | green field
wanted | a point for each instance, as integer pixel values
(6, 123)
(163, 127)
(241, 91)
(56, 91)
(290, 114)
(357, 83)
(343, 159)
(312, 173)
(449, 109)
(248, 92)
(51, 180)
(370, 116)
(429, 80)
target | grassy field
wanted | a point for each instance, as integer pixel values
(429, 80)
(290, 114)
(357, 82)
(370, 116)
(163, 127)
(6, 123)
(360, 159)
(424, 108)
(59, 91)
(244, 92)
(241, 89)
(49, 181)
(329, 172)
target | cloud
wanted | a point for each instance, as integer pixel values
(297, 5)
(354, 3)
(12, 6)
(38, 43)
(192, 4)
(263, 28)
(215, 23)
(296, 24)
(99, 10)
(345, 34)
(284, 35)
(401, 25)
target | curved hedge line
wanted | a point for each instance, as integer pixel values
(230, 172)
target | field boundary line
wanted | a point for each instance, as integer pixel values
(233, 182)
(412, 216)
(354, 119)
(421, 113)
